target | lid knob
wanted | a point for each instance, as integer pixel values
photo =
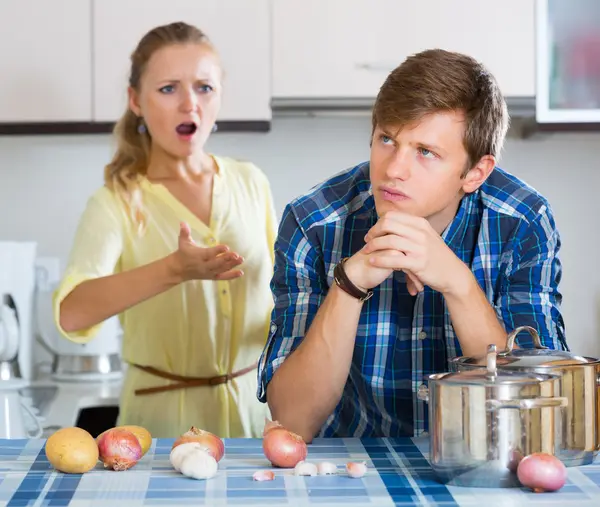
(491, 361)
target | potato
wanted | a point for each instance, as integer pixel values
(142, 434)
(72, 451)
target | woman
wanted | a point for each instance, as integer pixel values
(179, 243)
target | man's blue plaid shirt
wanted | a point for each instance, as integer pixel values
(505, 232)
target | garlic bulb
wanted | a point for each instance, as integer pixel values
(192, 460)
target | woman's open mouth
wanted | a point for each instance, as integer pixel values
(186, 130)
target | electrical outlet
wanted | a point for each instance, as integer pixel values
(47, 272)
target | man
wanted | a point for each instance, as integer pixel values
(389, 269)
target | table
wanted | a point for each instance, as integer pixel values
(399, 475)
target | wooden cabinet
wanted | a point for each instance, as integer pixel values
(240, 30)
(45, 61)
(346, 48)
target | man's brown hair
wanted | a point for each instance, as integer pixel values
(436, 80)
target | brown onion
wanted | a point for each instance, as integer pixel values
(542, 472)
(119, 449)
(282, 447)
(210, 442)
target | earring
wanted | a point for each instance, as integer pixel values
(214, 128)
(141, 128)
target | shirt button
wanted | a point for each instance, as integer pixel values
(422, 335)
(210, 240)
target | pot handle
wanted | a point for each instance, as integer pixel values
(528, 403)
(510, 342)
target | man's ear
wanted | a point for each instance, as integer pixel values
(477, 175)
(134, 104)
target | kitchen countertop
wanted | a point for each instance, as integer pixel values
(398, 475)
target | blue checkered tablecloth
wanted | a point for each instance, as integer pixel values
(399, 475)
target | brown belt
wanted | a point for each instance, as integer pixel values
(184, 382)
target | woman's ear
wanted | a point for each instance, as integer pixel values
(134, 103)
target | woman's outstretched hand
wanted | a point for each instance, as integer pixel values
(193, 262)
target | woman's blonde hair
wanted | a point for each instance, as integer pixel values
(130, 161)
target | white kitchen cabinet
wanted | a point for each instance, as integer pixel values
(568, 61)
(45, 61)
(346, 48)
(240, 30)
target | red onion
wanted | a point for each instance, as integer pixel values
(282, 447)
(211, 443)
(542, 472)
(119, 449)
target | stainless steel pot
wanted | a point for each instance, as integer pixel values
(482, 422)
(579, 381)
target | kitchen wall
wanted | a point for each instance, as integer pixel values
(45, 181)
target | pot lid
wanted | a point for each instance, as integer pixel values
(483, 378)
(522, 359)
(526, 359)
(490, 375)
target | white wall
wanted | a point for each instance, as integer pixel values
(45, 181)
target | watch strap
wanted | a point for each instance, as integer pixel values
(344, 283)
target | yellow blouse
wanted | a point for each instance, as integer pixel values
(200, 328)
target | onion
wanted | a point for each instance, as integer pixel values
(142, 434)
(282, 447)
(119, 449)
(542, 472)
(211, 443)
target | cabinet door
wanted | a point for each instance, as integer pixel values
(346, 48)
(568, 61)
(45, 61)
(238, 28)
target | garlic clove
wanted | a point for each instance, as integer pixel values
(356, 470)
(192, 460)
(305, 468)
(263, 475)
(326, 468)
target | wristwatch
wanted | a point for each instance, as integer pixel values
(344, 283)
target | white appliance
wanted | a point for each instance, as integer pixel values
(12, 405)
(99, 359)
(17, 286)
